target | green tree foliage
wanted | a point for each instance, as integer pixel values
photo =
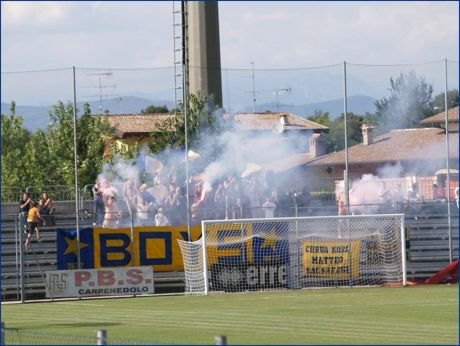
(93, 132)
(452, 100)
(152, 109)
(335, 139)
(410, 101)
(201, 123)
(46, 158)
(15, 138)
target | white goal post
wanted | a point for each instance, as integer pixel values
(294, 253)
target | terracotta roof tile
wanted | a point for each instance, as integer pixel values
(136, 123)
(267, 121)
(396, 145)
(441, 117)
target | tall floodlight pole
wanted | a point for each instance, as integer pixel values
(77, 221)
(446, 112)
(345, 111)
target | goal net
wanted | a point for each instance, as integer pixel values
(294, 253)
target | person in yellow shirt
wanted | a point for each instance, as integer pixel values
(32, 222)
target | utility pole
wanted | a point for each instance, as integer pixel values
(253, 88)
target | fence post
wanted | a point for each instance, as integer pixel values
(220, 340)
(21, 256)
(17, 250)
(2, 341)
(101, 336)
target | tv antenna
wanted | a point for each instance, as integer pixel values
(253, 91)
(277, 92)
(101, 86)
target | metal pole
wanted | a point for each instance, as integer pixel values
(446, 112)
(101, 336)
(403, 250)
(205, 258)
(185, 98)
(100, 94)
(40, 270)
(2, 341)
(21, 256)
(345, 111)
(253, 89)
(187, 185)
(18, 249)
(133, 257)
(220, 340)
(77, 216)
(276, 100)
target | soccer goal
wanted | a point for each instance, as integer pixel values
(294, 253)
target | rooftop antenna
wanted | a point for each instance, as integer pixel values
(253, 92)
(280, 91)
(100, 75)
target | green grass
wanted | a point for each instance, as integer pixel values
(387, 315)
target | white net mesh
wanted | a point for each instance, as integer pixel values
(293, 253)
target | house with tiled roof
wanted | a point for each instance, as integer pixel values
(267, 129)
(277, 122)
(419, 153)
(440, 120)
(280, 132)
(131, 129)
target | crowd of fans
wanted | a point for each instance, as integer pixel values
(164, 202)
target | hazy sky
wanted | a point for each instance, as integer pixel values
(273, 34)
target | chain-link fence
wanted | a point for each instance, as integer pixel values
(304, 92)
(23, 336)
(273, 164)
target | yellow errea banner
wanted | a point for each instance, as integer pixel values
(332, 259)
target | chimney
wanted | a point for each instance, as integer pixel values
(368, 134)
(283, 118)
(317, 145)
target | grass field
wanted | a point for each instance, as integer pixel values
(387, 315)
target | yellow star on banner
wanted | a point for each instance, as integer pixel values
(270, 239)
(72, 246)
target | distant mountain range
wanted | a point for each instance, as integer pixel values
(37, 117)
(358, 104)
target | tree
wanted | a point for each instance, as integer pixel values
(152, 109)
(410, 101)
(201, 123)
(93, 133)
(47, 157)
(14, 150)
(335, 139)
(439, 100)
(354, 132)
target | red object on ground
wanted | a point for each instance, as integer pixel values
(447, 275)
